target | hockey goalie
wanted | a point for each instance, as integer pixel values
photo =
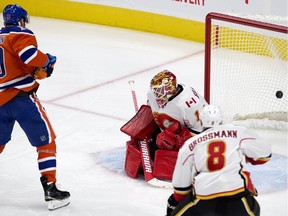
(161, 127)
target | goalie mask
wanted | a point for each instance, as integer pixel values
(163, 85)
(211, 116)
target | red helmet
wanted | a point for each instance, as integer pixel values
(164, 86)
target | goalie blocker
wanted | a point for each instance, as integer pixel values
(143, 126)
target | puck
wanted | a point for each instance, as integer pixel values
(279, 94)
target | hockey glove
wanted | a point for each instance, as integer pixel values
(47, 69)
(166, 140)
(173, 137)
(40, 73)
(171, 205)
(50, 64)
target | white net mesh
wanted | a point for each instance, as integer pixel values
(249, 77)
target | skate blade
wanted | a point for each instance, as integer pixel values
(56, 204)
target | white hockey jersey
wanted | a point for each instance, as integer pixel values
(215, 162)
(184, 108)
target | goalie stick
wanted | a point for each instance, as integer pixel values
(131, 83)
(145, 154)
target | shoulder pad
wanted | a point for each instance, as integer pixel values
(16, 29)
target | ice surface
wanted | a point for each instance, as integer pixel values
(88, 99)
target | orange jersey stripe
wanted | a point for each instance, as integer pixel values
(52, 134)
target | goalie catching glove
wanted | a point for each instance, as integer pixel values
(173, 137)
(47, 69)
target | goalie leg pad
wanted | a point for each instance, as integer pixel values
(164, 164)
(133, 159)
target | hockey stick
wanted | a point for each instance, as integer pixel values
(145, 153)
(131, 83)
(147, 167)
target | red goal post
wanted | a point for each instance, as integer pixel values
(246, 66)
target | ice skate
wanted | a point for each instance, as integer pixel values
(55, 198)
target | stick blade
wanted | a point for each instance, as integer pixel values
(160, 183)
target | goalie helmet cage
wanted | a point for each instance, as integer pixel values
(246, 66)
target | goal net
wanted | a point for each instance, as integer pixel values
(246, 68)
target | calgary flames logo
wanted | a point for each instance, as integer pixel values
(163, 120)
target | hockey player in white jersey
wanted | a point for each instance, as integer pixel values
(170, 117)
(211, 175)
(175, 107)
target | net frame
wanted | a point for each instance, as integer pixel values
(252, 25)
